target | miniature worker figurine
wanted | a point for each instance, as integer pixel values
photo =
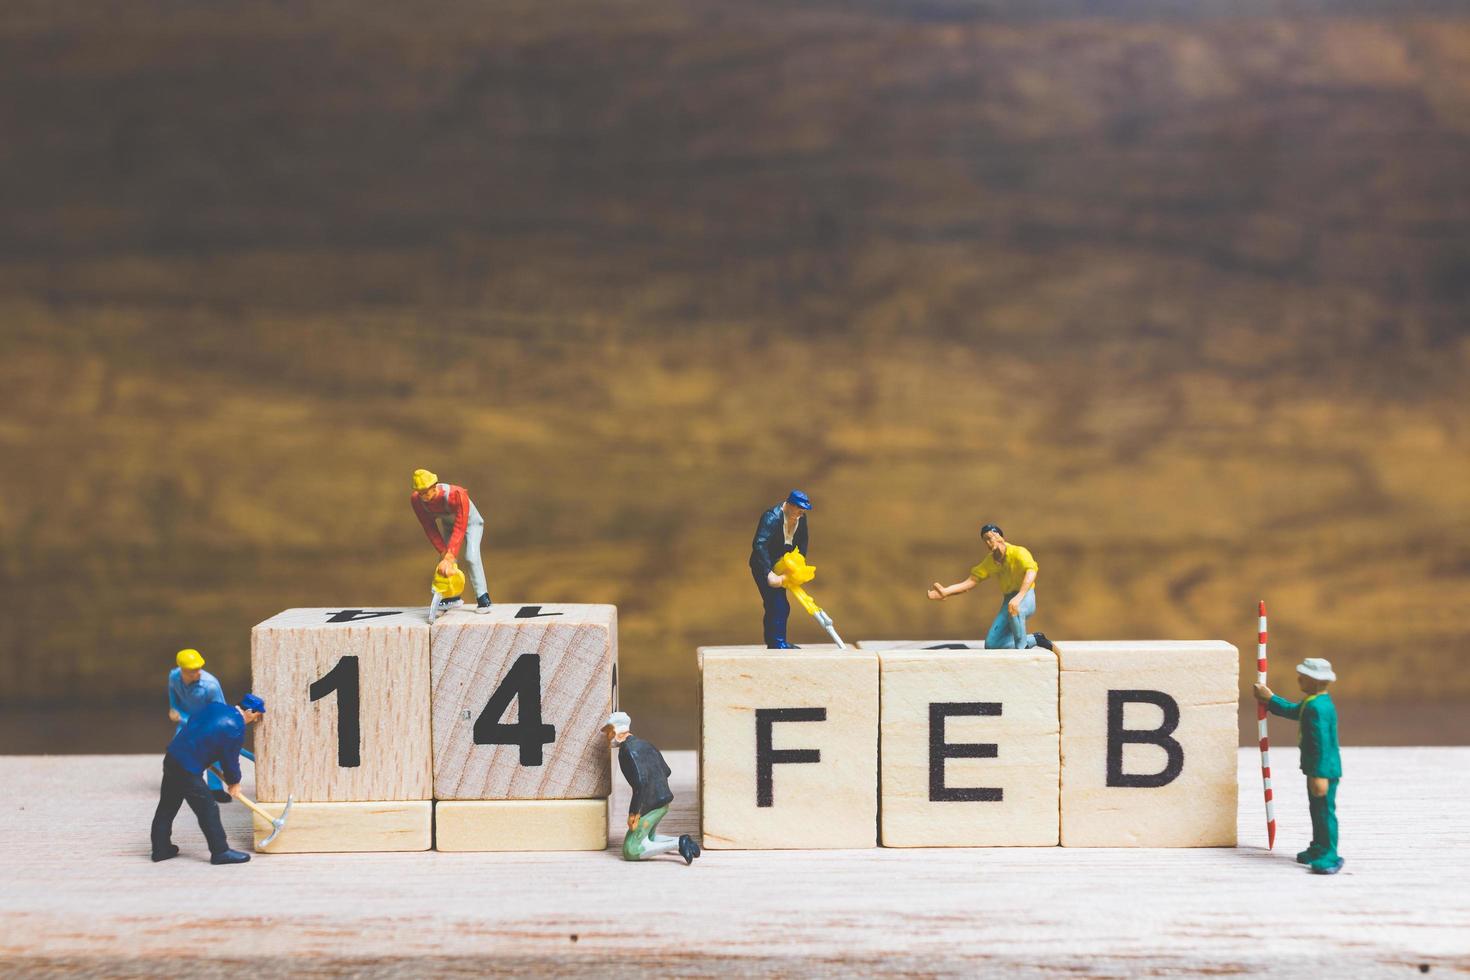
(781, 529)
(212, 734)
(646, 771)
(191, 687)
(450, 519)
(1321, 761)
(1015, 569)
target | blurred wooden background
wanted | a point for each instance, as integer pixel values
(1177, 293)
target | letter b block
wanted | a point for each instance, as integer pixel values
(1148, 743)
(347, 705)
(789, 747)
(969, 749)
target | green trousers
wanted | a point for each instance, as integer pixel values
(1324, 822)
(641, 842)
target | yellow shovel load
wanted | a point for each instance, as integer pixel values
(795, 573)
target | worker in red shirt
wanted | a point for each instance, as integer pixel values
(450, 519)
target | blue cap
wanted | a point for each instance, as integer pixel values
(252, 702)
(800, 500)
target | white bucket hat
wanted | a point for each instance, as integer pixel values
(1317, 669)
(618, 721)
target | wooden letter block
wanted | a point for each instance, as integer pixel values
(521, 825)
(347, 705)
(921, 645)
(1148, 743)
(520, 698)
(324, 827)
(789, 747)
(970, 745)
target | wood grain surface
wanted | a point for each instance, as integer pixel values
(827, 800)
(299, 741)
(404, 825)
(1019, 688)
(1197, 807)
(573, 650)
(80, 895)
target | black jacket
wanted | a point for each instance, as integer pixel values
(646, 771)
(770, 540)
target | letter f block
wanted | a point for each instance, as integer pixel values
(1149, 735)
(789, 747)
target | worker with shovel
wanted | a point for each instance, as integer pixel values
(212, 734)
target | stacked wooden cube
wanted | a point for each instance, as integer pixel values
(927, 744)
(478, 732)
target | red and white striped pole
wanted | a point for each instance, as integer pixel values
(1261, 730)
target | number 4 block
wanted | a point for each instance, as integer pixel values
(347, 705)
(519, 699)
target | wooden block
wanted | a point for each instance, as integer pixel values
(520, 825)
(970, 745)
(921, 644)
(1148, 743)
(789, 747)
(347, 705)
(493, 675)
(321, 827)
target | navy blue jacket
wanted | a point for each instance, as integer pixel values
(770, 540)
(212, 734)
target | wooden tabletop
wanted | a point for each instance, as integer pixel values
(78, 893)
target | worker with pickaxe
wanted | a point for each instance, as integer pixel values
(214, 734)
(781, 529)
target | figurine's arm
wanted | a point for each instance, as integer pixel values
(215, 692)
(427, 520)
(763, 531)
(1278, 705)
(229, 763)
(1026, 583)
(937, 591)
(176, 710)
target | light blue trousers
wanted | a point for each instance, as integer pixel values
(473, 532)
(1009, 632)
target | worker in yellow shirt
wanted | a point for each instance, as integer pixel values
(1015, 569)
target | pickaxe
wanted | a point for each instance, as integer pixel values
(279, 823)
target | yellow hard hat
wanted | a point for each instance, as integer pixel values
(423, 479)
(451, 586)
(189, 659)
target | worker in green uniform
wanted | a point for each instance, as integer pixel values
(1320, 758)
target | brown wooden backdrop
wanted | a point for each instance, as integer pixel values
(1176, 293)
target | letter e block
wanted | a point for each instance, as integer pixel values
(969, 748)
(1149, 736)
(520, 697)
(789, 747)
(347, 705)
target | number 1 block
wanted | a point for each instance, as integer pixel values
(347, 705)
(520, 696)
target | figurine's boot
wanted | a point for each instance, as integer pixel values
(1312, 853)
(229, 857)
(482, 604)
(172, 850)
(1329, 864)
(688, 849)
